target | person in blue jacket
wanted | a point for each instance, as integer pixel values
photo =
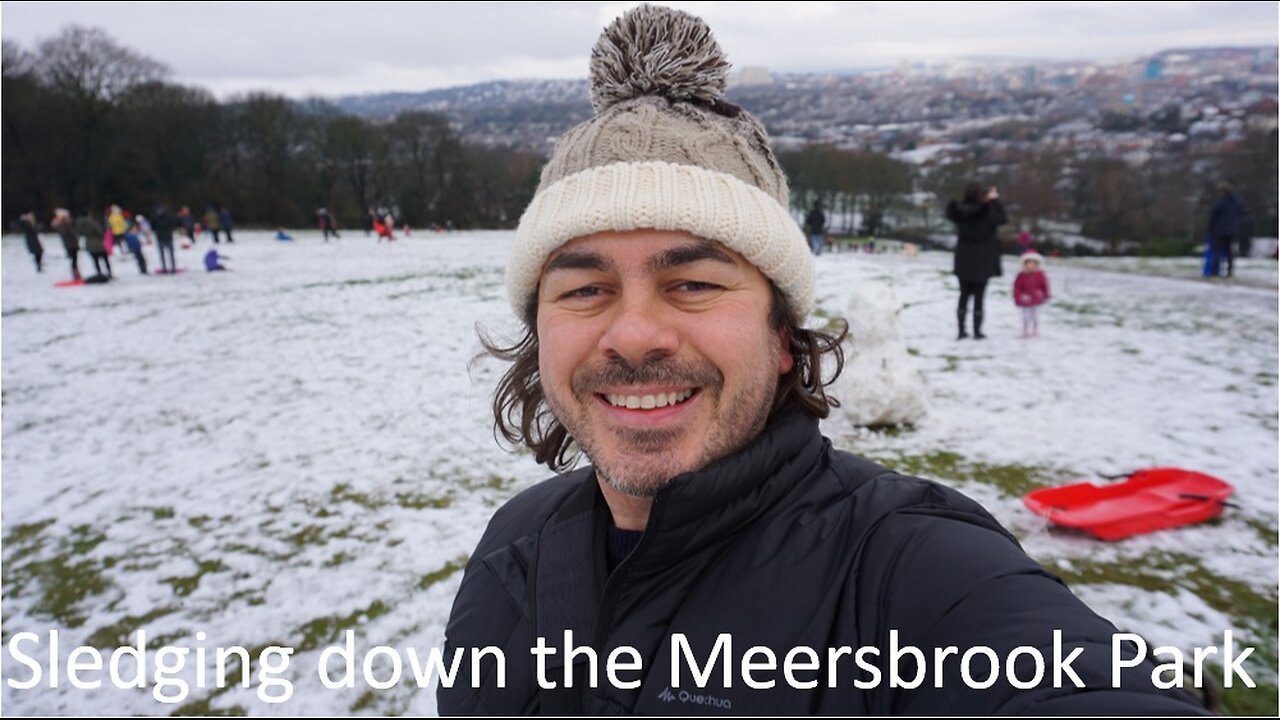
(212, 261)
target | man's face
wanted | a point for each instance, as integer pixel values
(655, 352)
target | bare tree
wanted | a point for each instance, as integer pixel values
(90, 71)
(17, 61)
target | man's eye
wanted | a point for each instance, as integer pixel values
(582, 293)
(696, 286)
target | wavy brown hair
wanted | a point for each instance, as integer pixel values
(521, 414)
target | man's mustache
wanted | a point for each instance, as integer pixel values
(665, 371)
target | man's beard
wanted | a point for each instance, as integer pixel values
(641, 469)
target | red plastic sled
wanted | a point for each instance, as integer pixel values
(1148, 500)
(68, 283)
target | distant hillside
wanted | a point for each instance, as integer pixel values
(888, 109)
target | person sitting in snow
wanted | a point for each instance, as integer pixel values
(212, 261)
(1030, 291)
(282, 235)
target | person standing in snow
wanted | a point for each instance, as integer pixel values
(188, 222)
(163, 226)
(815, 225)
(212, 223)
(134, 242)
(1030, 291)
(70, 241)
(977, 257)
(118, 224)
(326, 224)
(31, 233)
(96, 243)
(224, 217)
(1226, 220)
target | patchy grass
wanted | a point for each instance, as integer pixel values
(202, 708)
(1084, 314)
(1015, 480)
(27, 539)
(489, 482)
(324, 631)
(63, 581)
(365, 281)
(1253, 612)
(892, 431)
(367, 701)
(449, 568)
(184, 586)
(342, 492)
(1241, 700)
(121, 632)
(341, 558)
(420, 501)
(1264, 527)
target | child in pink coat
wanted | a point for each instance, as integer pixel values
(1030, 291)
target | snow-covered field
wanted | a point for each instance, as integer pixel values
(303, 445)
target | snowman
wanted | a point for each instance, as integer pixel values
(880, 385)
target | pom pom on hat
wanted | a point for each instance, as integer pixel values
(655, 50)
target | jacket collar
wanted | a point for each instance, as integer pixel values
(694, 511)
(707, 506)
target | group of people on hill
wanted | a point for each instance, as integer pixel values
(120, 231)
(977, 257)
(979, 213)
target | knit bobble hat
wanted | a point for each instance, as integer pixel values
(1031, 256)
(664, 151)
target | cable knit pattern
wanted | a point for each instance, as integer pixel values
(652, 128)
(663, 196)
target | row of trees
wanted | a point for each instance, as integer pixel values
(1162, 205)
(87, 122)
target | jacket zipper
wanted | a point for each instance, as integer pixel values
(604, 614)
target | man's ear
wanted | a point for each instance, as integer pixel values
(786, 362)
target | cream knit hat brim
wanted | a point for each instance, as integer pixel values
(660, 195)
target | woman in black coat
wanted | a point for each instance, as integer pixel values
(977, 250)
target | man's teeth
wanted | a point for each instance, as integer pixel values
(649, 402)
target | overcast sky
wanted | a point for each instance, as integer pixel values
(313, 48)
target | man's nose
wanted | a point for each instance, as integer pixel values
(641, 330)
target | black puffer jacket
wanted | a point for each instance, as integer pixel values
(785, 543)
(977, 248)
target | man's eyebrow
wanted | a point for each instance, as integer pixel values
(579, 260)
(685, 254)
